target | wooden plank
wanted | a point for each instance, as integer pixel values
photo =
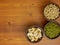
(16, 15)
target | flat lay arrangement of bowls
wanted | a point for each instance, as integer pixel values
(51, 29)
(30, 22)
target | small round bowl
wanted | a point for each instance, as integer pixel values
(45, 33)
(44, 14)
(35, 26)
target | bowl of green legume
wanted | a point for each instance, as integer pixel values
(52, 30)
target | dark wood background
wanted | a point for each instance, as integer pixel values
(16, 15)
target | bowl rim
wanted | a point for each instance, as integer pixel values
(45, 33)
(36, 26)
(47, 5)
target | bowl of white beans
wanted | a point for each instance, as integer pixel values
(34, 33)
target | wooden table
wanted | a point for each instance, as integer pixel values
(16, 15)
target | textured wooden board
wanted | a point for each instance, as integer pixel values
(16, 15)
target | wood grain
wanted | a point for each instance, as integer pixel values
(16, 15)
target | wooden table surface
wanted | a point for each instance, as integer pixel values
(16, 15)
